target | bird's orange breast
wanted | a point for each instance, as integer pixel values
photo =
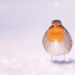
(55, 34)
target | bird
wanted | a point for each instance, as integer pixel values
(57, 40)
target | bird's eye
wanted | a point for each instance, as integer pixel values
(52, 26)
(59, 25)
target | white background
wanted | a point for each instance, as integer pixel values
(22, 26)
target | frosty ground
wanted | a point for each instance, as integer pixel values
(21, 55)
(22, 26)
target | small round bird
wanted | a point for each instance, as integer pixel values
(57, 40)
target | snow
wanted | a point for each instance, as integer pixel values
(22, 26)
(18, 56)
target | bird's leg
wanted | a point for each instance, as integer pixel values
(51, 57)
(64, 58)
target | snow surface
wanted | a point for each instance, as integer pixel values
(20, 56)
(22, 26)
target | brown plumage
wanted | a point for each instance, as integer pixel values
(57, 39)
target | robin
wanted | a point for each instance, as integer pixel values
(57, 39)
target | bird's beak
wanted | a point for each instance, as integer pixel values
(55, 26)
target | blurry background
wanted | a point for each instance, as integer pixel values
(22, 26)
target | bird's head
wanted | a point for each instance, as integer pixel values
(56, 23)
(56, 31)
